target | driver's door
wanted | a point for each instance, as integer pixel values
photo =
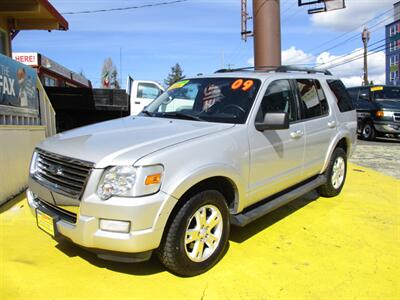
(276, 156)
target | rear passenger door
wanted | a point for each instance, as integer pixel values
(319, 122)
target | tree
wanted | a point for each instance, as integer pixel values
(109, 75)
(175, 75)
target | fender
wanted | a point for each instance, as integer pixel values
(181, 186)
(332, 147)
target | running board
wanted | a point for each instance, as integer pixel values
(249, 216)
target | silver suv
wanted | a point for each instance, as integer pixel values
(210, 152)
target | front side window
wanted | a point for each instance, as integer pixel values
(309, 98)
(277, 99)
(225, 100)
(148, 91)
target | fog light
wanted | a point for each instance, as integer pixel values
(115, 226)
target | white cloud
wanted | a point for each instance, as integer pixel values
(294, 56)
(291, 56)
(350, 72)
(355, 13)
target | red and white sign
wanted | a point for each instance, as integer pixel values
(27, 58)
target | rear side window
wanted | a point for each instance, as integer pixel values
(344, 101)
(309, 98)
(322, 98)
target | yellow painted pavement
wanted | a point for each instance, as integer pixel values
(347, 247)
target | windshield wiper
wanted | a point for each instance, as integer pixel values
(146, 112)
(181, 115)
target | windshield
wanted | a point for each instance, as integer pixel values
(225, 100)
(386, 92)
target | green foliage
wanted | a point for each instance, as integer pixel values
(175, 75)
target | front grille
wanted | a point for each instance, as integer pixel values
(396, 117)
(63, 175)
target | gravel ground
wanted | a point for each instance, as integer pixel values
(381, 155)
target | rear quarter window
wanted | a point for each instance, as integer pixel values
(344, 100)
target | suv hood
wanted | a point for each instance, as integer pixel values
(125, 140)
(388, 104)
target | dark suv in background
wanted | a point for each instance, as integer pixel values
(378, 110)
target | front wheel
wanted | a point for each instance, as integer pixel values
(368, 131)
(335, 174)
(196, 239)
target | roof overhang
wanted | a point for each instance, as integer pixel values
(31, 14)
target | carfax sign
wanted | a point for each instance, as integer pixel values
(17, 84)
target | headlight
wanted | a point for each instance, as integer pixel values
(33, 166)
(384, 113)
(128, 181)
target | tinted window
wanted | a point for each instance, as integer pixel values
(278, 98)
(148, 91)
(344, 100)
(309, 98)
(322, 98)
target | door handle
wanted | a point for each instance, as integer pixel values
(296, 134)
(332, 124)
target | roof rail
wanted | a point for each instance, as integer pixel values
(301, 69)
(284, 69)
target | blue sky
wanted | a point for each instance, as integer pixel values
(197, 34)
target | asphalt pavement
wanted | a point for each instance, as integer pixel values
(382, 155)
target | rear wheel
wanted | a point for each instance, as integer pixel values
(335, 174)
(198, 235)
(368, 131)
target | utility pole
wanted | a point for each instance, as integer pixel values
(267, 33)
(365, 36)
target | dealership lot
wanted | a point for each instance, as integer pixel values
(343, 247)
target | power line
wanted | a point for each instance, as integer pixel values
(359, 56)
(123, 8)
(348, 32)
(349, 54)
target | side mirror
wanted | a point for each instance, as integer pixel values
(364, 96)
(274, 121)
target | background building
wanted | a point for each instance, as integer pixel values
(26, 114)
(393, 48)
(50, 72)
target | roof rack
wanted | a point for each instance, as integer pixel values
(283, 69)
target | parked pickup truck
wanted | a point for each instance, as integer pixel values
(378, 110)
(76, 107)
(210, 152)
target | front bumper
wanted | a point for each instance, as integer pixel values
(387, 128)
(147, 216)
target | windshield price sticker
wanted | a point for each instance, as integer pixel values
(243, 85)
(376, 88)
(178, 85)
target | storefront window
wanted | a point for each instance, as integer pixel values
(49, 81)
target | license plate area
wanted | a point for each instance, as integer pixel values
(47, 222)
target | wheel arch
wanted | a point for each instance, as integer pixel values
(343, 141)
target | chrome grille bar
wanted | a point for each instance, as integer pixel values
(61, 174)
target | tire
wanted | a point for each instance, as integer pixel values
(368, 131)
(335, 174)
(192, 254)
